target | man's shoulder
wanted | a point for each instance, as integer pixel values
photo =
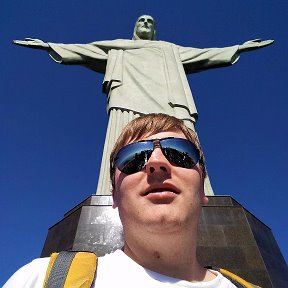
(123, 267)
(113, 258)
(31, 275)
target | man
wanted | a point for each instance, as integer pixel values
(142, 75)
(157, 172)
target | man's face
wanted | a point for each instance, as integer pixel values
(161, 195)
(145, 27)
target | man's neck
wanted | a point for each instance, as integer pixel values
(171, 254)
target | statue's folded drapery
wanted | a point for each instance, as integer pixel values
(146, 76)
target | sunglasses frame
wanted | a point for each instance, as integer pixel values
(194, 157)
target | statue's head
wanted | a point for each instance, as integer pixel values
(144, 28)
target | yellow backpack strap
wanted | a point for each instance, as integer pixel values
(238, 279)
(50, 265)
(69, 269)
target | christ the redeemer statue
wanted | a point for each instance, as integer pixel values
(143, 76)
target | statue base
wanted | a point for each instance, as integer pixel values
(230, 237)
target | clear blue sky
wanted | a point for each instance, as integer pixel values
(53, 117)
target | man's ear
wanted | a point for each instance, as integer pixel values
(205, 200)
(114, 205)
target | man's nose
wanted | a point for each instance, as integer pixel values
(158, 163)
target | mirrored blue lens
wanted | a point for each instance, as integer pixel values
(133, 157)
(180, 152)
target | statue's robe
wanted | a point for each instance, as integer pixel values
(146, 76)
(141, 77)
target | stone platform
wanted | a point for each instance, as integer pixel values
(229, 237)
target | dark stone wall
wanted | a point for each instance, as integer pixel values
(230, 237)
(61, 236)
(270, 252)
(227, 240)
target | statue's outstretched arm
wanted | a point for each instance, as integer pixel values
(254, 44)
(32, 43)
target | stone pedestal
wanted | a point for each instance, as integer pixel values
(229, 237)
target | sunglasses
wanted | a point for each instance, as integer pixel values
(133, 157)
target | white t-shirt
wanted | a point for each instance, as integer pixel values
(113, 270)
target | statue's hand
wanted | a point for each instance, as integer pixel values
(254, 44)
(32, 43)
